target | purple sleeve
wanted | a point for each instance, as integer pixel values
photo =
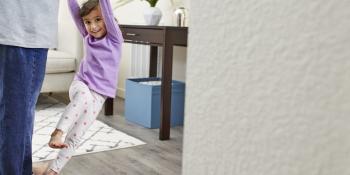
(74, 9)
(112, 27)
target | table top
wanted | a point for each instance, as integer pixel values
(151, 27)
(154, 35)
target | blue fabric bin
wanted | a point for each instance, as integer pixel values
(142, 102)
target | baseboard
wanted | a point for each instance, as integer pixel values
(121, 93)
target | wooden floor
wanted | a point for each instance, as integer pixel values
(154, 158)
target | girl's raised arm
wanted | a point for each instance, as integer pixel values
(74, 9)
(112, 27)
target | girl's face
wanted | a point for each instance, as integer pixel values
(94, 23)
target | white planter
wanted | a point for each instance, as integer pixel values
(152, 15)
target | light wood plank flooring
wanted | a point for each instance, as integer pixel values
(154, 158)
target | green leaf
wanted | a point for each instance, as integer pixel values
(152, 3)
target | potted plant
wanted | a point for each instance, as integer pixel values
(152, 14)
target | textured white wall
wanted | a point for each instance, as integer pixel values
(268, 88)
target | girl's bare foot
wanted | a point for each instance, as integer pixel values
(40, 168)
(56, 140)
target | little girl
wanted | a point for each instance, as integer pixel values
(95, 81)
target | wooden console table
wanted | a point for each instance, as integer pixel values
(166, 37)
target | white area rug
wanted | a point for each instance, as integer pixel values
(99, 137)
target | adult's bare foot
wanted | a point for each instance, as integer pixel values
(56, 140)
(40, 168)
(51, 172)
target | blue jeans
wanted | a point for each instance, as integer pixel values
(22, 72)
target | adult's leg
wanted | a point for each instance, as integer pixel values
(21, 76)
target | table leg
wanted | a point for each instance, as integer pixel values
(165, 101)
(109, 106)
(153, 61)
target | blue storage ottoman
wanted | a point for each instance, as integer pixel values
(142, 102)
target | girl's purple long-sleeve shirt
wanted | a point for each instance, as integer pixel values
(100, 66)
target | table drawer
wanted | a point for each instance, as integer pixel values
(139, 35)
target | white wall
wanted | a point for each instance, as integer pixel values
(268, 88)
(132, 13)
